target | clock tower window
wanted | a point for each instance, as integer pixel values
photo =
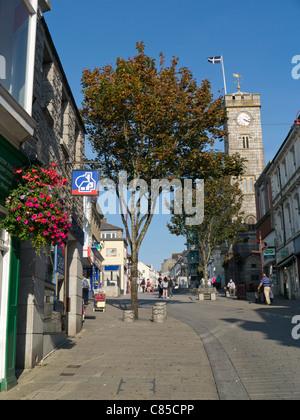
(245, 142)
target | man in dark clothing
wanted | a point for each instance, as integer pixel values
(160, 290)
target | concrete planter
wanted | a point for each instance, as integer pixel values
(159, 312)
(128, 316)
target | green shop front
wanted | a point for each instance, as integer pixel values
(9, 269)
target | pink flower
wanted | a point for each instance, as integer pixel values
(25, 221)
(44, 220)
(52, 205)
(40, 214)
(34, 216)
(48, 213)
(45, 233)
(53, 217)
(18, 218)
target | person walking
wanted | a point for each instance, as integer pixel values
(143, 285)
(148, 286)
(86, 287)
(218, 282)
(266, 283)
(165, 286)
(160, 290)
(170, 287)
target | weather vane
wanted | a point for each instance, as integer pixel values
(238, 79)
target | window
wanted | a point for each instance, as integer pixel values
(245, 142)
(16, 47)
(293, 157)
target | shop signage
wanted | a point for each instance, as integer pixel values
(111, 268)
(269, 254)
(284, 253)
(85, 183)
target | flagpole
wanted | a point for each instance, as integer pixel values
(223, 75)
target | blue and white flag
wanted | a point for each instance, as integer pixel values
(213, 60)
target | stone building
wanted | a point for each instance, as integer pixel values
(245, 137)
(278, 212)
(17, 47)
(50, 299)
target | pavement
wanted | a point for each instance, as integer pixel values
(209, 350)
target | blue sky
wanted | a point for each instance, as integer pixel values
(257, 39)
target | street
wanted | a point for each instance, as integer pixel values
(226, 349)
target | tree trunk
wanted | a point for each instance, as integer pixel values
(134, 267)
(134, 284)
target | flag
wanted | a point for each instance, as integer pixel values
(214, 60)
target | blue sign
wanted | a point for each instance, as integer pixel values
(85, 183)
(111, 268)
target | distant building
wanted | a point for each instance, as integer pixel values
(115, 264)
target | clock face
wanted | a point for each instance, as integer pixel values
(244, 119)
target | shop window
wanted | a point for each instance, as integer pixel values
(14, 46)
(54, 291)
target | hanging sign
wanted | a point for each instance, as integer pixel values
(85, 183)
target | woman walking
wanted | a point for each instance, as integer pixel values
(165, 286)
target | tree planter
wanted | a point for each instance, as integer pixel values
(159, 312)
(128, 316)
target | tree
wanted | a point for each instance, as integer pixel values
(222, 219)
(153, 122)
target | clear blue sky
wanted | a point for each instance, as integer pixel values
(257, 39)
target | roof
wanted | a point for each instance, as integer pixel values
(107, 226)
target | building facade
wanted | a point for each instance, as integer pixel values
(17, 48)
(92, 258)
(50, 300)
(115, 264)
(280, 222)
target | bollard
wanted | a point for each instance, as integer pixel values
(128, 316)
(159, 312)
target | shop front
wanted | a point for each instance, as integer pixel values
(287, 272)
(9, 269)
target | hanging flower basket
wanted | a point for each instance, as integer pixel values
(225, 262)
(237, 258)
(35, 211)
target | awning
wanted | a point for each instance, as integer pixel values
(288, 261)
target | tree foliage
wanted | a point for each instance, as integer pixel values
(154, 122)
(222, 218)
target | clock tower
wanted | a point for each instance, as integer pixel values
(245, 137)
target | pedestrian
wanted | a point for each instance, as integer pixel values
(160, 290)
(218, 282)
(148, 286)
(86, 287)
(143, 285)
(165, 286)
(286, 287)
(266, 283)
(170, 285)
(213, 281)
(231, 287)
